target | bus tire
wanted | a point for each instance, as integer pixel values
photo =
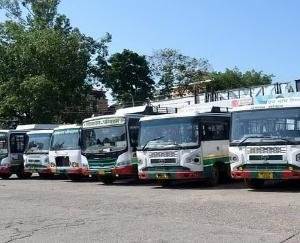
(165, 183)
(46, 176)
(214, 179)
(24, 175)
(75, 177)
(107, 180)
(254, 183)
(95, 178)
(5, 176)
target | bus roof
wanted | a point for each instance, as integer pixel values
(40, 132)
(109, 116)
(36, 127)
(69, 126)
(271, 104)
(4, 131)
(131, 110)
(182, 115)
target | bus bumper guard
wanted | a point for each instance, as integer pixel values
(276, 175)
(178, 175)
(5, 170)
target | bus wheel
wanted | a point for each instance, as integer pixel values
(46, 175)
(165, 183)
(95, 178)
(214, 178)
(24, 175)
(75, 177)
(254, 183)
(107, 180)
(5, 176)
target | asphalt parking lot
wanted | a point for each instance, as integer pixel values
(62, 211)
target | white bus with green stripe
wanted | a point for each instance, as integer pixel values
(109, 142)
(265, 144)
(65, 155)
(189, 145)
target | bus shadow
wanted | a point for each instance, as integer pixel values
(237, 185)
(129, 182)
(195, 185)
(279, 186)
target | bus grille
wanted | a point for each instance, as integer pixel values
(265, 157)
(265, 167)
(62, 161)
(163, 161)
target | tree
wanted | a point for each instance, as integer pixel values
(128, 75)
(176, 72)
(46, 66)
(233, 78)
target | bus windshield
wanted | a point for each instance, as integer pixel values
(169, 133)
(3, 143)
(65, 139)
(104, 139)
(273, 124)
(38, 143)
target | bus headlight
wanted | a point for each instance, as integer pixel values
(193, 160)
(75, 164)
(6, 165)
(298, 157)
(124, 163)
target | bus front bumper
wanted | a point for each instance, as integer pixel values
(79, 171)
(5, 170)
(119, 172)
(266, 174)
(37, 169)
(178, 175)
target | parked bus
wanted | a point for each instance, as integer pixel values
(190, 145)
(65, 150)
(109, 142)
(12, 147)
(265, 142)
(36, 155)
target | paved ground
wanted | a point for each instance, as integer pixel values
(62, 211)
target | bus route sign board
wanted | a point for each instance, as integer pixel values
(104, 122)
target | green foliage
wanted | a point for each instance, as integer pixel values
(176, 72)
(128, 76)
(233, 78)
(46, 66)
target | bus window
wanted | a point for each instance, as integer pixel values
(17, 143)
(215, 129)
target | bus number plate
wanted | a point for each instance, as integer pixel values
(101, 172)
(162, 176)
(265, 175)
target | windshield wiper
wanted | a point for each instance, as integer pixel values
(245, 139)
(283, 139)
(176, 144)
(266, 137)
(151, 140)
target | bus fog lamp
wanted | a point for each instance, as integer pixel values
(75, 164)
(234, 158)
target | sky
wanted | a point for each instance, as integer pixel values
(258, 34)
